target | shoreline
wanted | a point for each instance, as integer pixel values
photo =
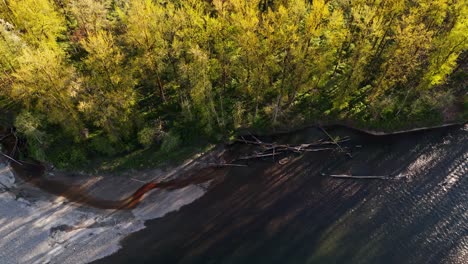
(96, 233)
(250, 131)
(350, 125)
(50, 229)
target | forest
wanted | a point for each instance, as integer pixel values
(87, 78)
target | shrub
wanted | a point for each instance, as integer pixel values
(28, 125)
(150, 134)
(103, 145)
(171, 141)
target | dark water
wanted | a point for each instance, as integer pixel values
(292, 213)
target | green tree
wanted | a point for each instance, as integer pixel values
(44, 83)
(448, 45)
(39, 21)
(147, 31)
(108, 96)
(90, 15)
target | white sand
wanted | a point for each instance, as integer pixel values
(36, 227)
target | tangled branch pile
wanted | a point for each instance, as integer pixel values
(274, 149)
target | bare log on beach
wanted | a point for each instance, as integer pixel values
(223, 164)
(347, 176)
(375, 177)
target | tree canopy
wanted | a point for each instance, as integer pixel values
(109, 76)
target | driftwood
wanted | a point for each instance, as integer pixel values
(335, 142)
(348, 176)
(10, 158)
(224, 164)
(274, 149)
(375, 177)
(278, 152)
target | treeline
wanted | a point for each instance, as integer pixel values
(101, 77)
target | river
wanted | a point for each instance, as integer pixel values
(295, 213)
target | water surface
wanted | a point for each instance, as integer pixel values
(293, 213)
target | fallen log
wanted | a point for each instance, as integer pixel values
(377, 177)
(349, 176)
(257, 156)
(12, 159)
(224, 164)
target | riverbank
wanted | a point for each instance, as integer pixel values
(38, 227)
(43, 228)
(144, 159)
